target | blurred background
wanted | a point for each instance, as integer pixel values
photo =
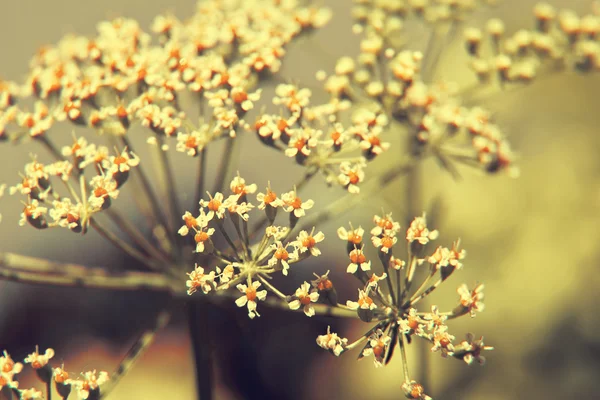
(531, 240)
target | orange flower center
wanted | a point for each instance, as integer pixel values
(357, 257)
(353, 176)
(281, 254)
(387, 241)
(365, 301)
(296, 203)
(354, 238)
(304, 300)
(300, 143)
(191, 142)
(282, 124)
(270, 197)
(190, 221)
(239, 189)
(251, 293)
(72, 218)
(378, 350)
(214, 205)
(309, 242)
(324, 284)
(239, 96)
(100, 192)
(201, 237)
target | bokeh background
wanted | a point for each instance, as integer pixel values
(532, 240)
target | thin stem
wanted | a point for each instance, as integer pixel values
(412, 264)
(139, 173)
(198, 323)
(201, 178)
(243, 240)
(388, 279)
(139, 239)
(226, 165)
(272, 288)
(49, 390)
(404, 360)
(136, 351)
(226, 236)
(167, 172)
(121, 244)
(34, 270)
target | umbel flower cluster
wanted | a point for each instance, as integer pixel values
(187, 85)
(388, 299)
(87, 386)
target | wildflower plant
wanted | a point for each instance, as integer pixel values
(191, 84)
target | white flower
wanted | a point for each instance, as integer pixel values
(377, 347)
(304, 297)
(250, 294)
(471, 300)
(358, 258)
(293, 203)
(417, 231)
(308, 242)
(364, 301)
(332, 342)
(199, 280)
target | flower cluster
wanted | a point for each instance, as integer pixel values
(315, 136)
(561, 39)
(389, 16)
(391, 306)
(245, 263)
(125, 75)
(41, 185)
(87, 387)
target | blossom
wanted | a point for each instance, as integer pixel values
(250, 294)
(201, 237)
(377, 346)
(470, 350)
(383, 224)
(215, 206)
(442, 341)
(385, 242)
(199, 280)
(281, 257)
(332, 342)
(414, 390)
(269, 198)
(358, 258)
(8, 369)
(121, 163)
(91, 381)
(471, 301)
(38, 360)
(417, 231)
(304, 296)
(364, 301)
(293, 203)
(238, 186)
(307, 242)
(434, 319)
(353, 236)
(351, 175)
(373, 281)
